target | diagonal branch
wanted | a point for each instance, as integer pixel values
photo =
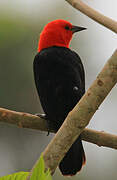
(80, 116)
(82, 113)
(93, 14)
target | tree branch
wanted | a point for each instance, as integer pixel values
(26, 120)
(93, 14)
(99, 138)
(23, 120)
(80, 116)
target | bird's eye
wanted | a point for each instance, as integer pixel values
(67, 27)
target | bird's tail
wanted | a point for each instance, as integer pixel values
(73, 160)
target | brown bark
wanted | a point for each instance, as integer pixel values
(26, 120)
(22, 120)
(100, 138)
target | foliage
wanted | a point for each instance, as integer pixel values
(37, 174)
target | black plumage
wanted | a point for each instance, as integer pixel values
(60, 82)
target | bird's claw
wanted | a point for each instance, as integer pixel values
(43, 116)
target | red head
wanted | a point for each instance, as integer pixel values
(57, 33)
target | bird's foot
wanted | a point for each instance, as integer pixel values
(43, 116)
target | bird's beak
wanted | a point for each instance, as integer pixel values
(77, 28)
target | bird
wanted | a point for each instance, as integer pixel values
(60, 82)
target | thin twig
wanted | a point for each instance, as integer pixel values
(93, 14)
(99, 138)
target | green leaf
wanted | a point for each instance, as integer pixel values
(39, 171)
(15, 176)
(37, 174)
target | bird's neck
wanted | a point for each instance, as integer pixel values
(47, 41)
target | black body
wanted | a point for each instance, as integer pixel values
(60, 82)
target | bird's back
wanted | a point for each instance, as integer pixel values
(60, 82)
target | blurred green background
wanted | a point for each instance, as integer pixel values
(20, 25)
